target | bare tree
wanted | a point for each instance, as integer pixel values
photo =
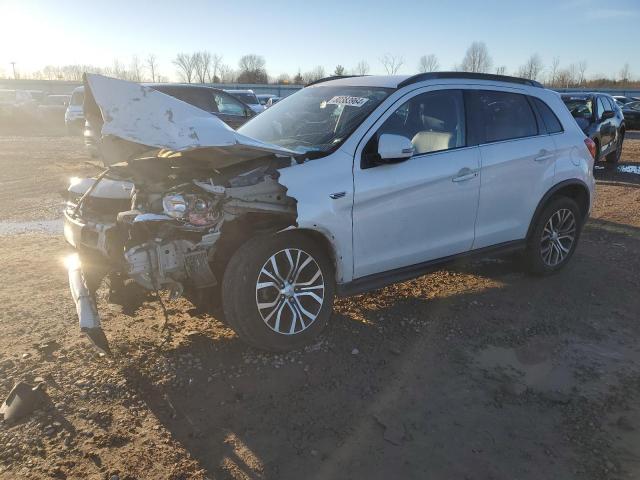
(428, 63)
(202, 66)
(532, 68)
(573, 73)
(283, 78)
(226, 73)
(136, 70)
(216, 62)
(362, 68)
(252, 69)
(476, 58)
(555, 64)
(152, 65)
(501, 70)
(312, 75)
(298, 80)
(186, 66)
(118, 70)
(582, 68)
(391, 63)
(625, 73)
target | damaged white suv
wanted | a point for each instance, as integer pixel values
(347, 185)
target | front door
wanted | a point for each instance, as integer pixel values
(423, 208)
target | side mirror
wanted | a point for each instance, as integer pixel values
(394, 147)
(248, 112)
(607, 115)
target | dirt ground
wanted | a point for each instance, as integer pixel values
(474, 372)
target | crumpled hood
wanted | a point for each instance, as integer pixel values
(136, 120)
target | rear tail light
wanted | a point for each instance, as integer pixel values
(591, 145)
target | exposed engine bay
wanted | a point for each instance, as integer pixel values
(150, 221)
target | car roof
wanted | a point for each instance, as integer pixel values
(399, 81)
(239, 91)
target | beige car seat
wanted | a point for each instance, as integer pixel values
(425, 142)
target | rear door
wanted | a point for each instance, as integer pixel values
(517, 164)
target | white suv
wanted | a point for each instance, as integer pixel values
(343, 187)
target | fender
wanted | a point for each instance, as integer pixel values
(551, 192)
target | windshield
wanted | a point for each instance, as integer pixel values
(315, 119)
(632, 106)
(248, 98)
(579, 107)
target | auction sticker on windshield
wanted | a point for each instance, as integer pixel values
(348, 100)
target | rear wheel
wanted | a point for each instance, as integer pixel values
(614, 157)
(277, 291)
(554, 237)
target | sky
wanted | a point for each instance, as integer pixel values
(299, 35)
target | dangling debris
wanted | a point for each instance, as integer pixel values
(22, 400)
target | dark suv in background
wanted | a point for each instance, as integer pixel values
(601, 119)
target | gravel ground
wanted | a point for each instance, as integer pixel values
(474, 372)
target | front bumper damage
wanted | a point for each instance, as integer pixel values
(86, 305)
(161, 153)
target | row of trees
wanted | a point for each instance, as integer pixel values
(207, 67)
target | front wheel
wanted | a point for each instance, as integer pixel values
(277, 291)
(554, 237)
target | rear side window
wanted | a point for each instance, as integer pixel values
(502, 116)
(599, 108)
(549, 118)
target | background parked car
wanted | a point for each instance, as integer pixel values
(272, 101)
(74, 116)
(53, 107)
(226, 107)
(17, 105)
(248, 97)
(601, 119)
(263, 98)
(631, 112)
(622, 100)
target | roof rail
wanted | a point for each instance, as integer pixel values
(335, 77)
(421, 77)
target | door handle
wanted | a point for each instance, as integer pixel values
(544, 155)
(464, 175)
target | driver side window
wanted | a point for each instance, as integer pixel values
(433, 121)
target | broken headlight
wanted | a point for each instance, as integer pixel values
(175, 205)
(194, 209)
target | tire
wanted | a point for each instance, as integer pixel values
(286, 320)
(543, 256)
(614, 157)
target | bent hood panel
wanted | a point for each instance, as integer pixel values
(143, 119)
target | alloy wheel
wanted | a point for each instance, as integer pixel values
(290, 291)
(558, 237)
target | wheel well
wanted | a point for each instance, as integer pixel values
(236, 232)
(324, 243)
(576, 191)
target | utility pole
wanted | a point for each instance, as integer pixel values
(13, 64)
